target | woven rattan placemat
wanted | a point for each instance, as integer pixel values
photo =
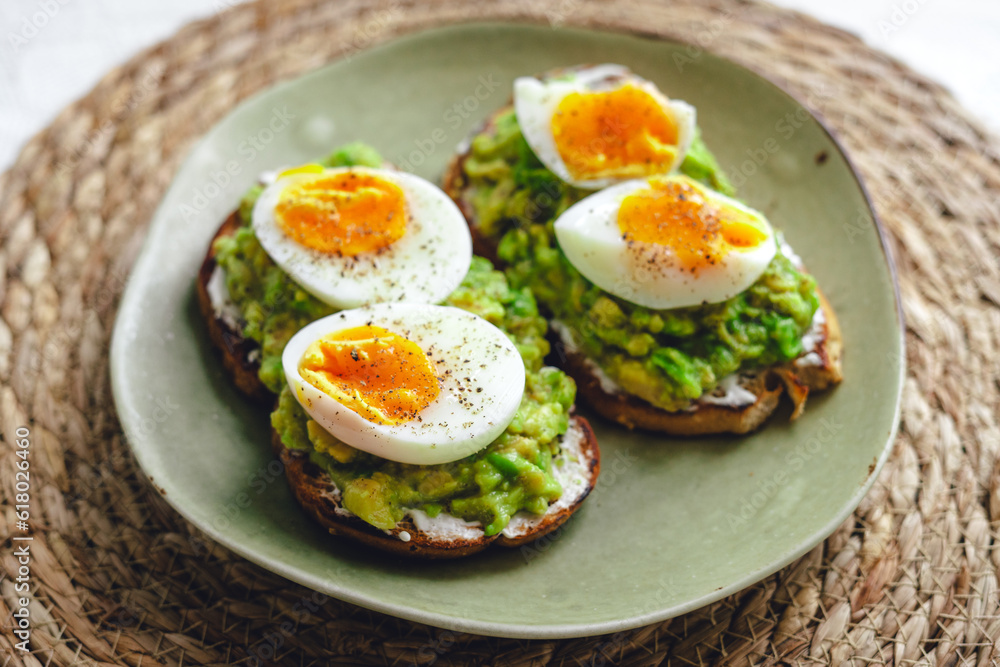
(117, 576)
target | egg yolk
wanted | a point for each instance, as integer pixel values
(382, 376)
(622, 133)
(345, 214)
(678, 215)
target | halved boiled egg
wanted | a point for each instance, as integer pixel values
(356, 235)
(412, 383)
(600, 125)
(666, 242)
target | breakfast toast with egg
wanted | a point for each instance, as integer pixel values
(532, 198)
(251, 307)
(318, 495)
(815, 370)
(488, 452)
(445, 536)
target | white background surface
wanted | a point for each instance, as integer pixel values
(54, 51)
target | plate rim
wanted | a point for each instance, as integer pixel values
(122, 398)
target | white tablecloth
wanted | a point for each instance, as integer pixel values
(54, 51)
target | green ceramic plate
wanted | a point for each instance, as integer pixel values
(673, 524)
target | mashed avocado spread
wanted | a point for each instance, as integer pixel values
(513, 473)
(666, 357)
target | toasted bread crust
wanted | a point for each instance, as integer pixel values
(702, 418)
(318, 496)
(233, 347)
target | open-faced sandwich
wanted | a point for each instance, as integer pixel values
(413, 409)
(675, 307)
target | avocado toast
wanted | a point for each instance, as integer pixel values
(523, 485)
(711, 367)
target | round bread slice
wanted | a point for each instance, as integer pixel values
(577, 467)
(813, 371)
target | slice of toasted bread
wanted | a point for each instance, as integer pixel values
(818, 370)
(578, 466)
(239, 354)
(797, 378)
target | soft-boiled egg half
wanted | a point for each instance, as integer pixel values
(600, 125)
(412, 383)
(356, 235)
(666, 242)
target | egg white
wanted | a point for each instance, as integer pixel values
(536, 102)
(646, 273)
(425, 265)
(481, 376)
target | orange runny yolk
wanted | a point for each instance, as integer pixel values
(384, 377)
(346, 214)
(677, 214)
(622, 133)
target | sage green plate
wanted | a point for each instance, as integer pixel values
(673, 524)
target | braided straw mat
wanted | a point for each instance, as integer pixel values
(120, 579)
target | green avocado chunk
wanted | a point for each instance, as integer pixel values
(513, 473)
(666, 357)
